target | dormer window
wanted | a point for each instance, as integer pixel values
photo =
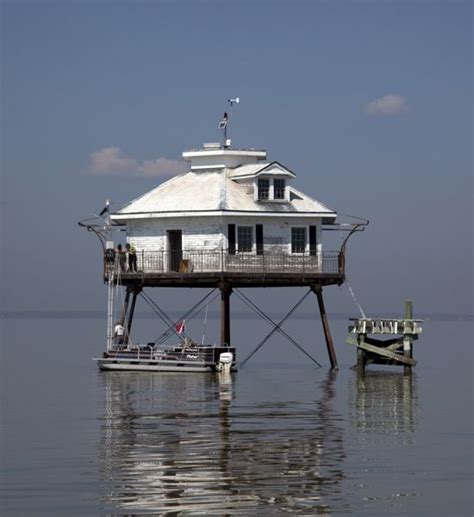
(279, 189)
(263, 188)
(271, 189)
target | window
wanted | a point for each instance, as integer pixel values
(278, 189)
(263, 188)
(298, 240)
(244, 238)
(312, 240)
(231, 238)
(259, 238)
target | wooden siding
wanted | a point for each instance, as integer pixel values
(210, 233)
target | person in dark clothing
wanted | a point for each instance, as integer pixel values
(122, 259)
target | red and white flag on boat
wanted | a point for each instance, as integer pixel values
(180, 327)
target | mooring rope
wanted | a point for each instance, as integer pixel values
(355, 300)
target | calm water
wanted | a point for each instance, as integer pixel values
(280, 436)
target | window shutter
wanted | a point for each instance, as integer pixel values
(259, 238)
(231, 238)
(312, 240)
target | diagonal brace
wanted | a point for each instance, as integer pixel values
(162, 314)
(276, 327)
(189, 315)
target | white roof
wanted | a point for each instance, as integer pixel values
(211, 192)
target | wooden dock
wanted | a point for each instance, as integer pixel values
(374, 345)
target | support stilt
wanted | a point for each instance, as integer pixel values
(318, 290)
(136, 292)
(110, 312)
(226, 291)
(125, 304)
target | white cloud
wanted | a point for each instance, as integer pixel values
(112, 161)
(390, 104)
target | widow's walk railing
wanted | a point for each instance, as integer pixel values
(221, 261)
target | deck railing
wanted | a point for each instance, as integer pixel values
(221, 261)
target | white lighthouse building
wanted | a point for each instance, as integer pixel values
(234, 220)
(232, 204)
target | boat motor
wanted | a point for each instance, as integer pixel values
(225, 362)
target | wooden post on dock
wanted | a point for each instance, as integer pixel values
(226, 291)
(407, 339)
(361, 358)
(318, 290)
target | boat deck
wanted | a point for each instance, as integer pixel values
(189, 359)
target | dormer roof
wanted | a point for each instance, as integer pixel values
(256, 169)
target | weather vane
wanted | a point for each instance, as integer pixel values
(225, 121)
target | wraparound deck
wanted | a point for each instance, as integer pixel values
(211, 268)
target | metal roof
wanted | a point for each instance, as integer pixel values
(215, 191)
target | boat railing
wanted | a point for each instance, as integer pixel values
(189, 262)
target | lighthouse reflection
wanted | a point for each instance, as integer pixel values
(193, 444)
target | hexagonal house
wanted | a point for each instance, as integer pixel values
(234, 220)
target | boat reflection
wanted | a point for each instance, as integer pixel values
(191, 443)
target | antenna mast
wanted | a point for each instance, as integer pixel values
(225, 121)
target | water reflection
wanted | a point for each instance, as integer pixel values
(384, 403)
(191, 443)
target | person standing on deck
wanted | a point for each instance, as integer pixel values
(132, 257)
(119, 332)
(122, 258)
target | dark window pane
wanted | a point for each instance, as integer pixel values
(279, 189)
(312, 240)
(244, 238)
(263, 188)
(231, 237)
(298, 240)
(259, 238)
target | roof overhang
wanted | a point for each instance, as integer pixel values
(202, 153)
(203, 159)
(329, 217)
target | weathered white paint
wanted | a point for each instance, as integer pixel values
(210, 193)
(211, 233)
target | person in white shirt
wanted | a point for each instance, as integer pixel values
(119, 332)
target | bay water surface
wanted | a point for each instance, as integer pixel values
(280, 436)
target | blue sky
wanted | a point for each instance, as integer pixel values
(151, 79)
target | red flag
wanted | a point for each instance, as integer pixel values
(180, 327)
